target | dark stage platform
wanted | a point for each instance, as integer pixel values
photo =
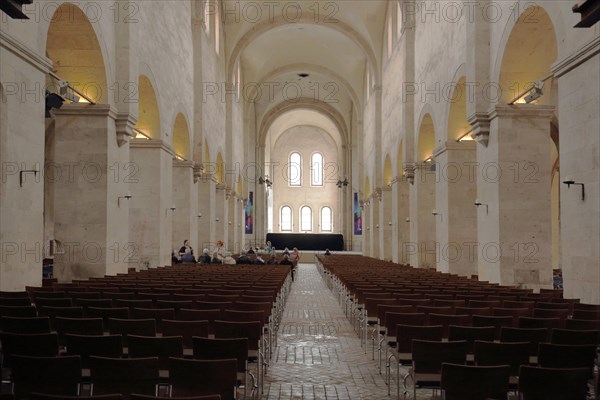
(306, 241)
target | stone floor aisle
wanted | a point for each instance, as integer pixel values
(319, 355)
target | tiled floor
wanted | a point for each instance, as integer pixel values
(319, 354)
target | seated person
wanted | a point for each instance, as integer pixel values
(228, 259)
(216, 258)
(259, 260)
(287, 262)
(272, 260)
(186, 253)
(269, 249)
(250, 251)
(205, 257)
(243, 259)
(286, 251)
(327, 252)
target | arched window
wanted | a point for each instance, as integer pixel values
(305, 219)
(316, 169)
(286, 219)
(295, 170)
(326, 220)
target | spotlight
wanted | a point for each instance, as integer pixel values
(536, 92)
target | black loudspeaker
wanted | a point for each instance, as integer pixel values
(53, 101)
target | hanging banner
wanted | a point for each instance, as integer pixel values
(357, 216)
(248, 214)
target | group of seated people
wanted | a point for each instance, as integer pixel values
(268, 256)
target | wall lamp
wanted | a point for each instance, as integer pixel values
(569, 180)
(434, 212)
(126, 197)
(26, 171)
(172, 208)
(341, 183)
(265, 181)
(479, 203)
(199, 215)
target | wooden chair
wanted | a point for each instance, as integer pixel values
(467, 382)
(135, 396)
(401, 351)
(566, 356)
(124, 375)
(203, 377)
(52, 375)
(162, 347)
(186, 329)
(503, 353)
(45, 396)
(25, 324)
(25, 344)
(15, 301)
(428, 357)
(574, 337)
(85, 346)
(77, 326)
(537, 383)
(219, 349)
(470, 334)
(125, 327)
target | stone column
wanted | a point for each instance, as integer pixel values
(151, 207)
(401, 221)
(204, 212)
(185, 199)
(456, 191)
(423, 248)
(385, 223)
(513, 185)
(220, 213)
(375, 205)
(231, 219)
(366, 213)
(91, 178)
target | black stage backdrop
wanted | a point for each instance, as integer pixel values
(306, 241)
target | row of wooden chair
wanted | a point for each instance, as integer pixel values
(63, 376)
(399, 306)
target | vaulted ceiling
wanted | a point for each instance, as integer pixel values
(302, 53)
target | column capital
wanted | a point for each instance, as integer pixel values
(451, 145)
(480, 122)
(409, 172)
(522, 110)
(124, 124)
(152, 144)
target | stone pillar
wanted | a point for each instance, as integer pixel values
(92, 178)
(385, 224)
(231, 219)
(456, 191)
(366, 214)
(513, 185)
(423, 248)
(401, 221)
(204, 212)
(151, 208)
(220, 214)
(375, 205)
(185, 199)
